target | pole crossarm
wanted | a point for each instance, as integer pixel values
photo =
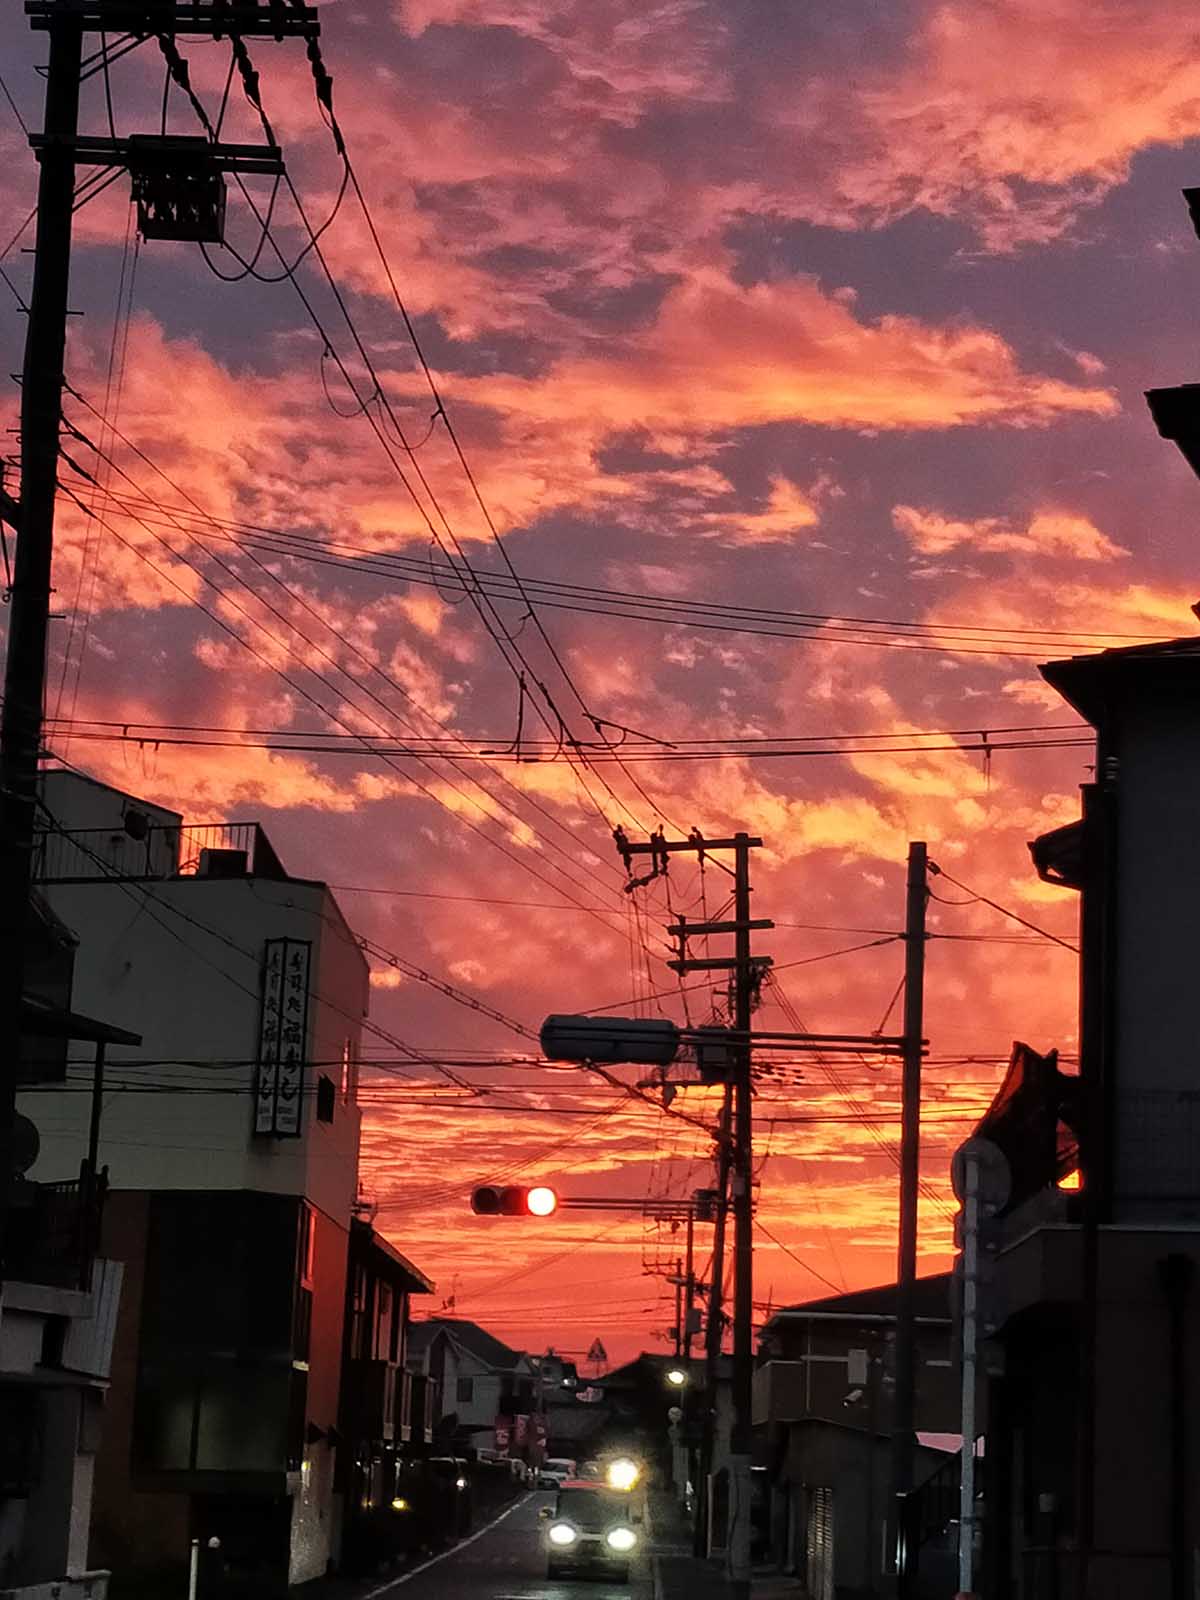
(666, 1209)
(148, 151)
(691, 930)
(210, 19)
(670, 846)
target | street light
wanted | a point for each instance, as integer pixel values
(513, 1200)
(676, 1377)
(541, 1202)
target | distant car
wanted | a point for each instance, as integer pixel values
(553, 1471)
(589, 1530)
(452, 1475)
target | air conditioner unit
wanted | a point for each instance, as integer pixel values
(222, 864)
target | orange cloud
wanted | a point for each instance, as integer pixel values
(1048, 533)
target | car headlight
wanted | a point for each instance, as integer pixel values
(561, 1533)
(623, 1473)
(621, 1539)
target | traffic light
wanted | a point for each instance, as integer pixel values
(513, 1200)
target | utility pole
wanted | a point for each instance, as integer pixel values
(713, 1325)
(29, 606)
(165, 169)
(678, 1309)
(742, 1432)
(903, 1414)
(746, 971)
(690, 1287)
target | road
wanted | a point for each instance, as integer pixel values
(508, 1562)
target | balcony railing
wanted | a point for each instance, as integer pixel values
(205, 850)
(53, 1231)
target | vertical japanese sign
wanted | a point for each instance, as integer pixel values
(283, 1038)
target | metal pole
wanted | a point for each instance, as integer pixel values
(741, 1435)
(970, 1337)
(28, 612)
(194, 1570)
(712, 1328)
(689, 1288)
(903, 1415)
(678, 1309)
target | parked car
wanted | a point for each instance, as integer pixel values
(555, 1470)
(589, 1529)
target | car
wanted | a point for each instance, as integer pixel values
(553, 1471)
(589, 1530)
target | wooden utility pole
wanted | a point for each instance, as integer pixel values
(903, 1414)
(60, 151)
(742, 1432)
(746, 971)
(29, 606)
(713, 1325)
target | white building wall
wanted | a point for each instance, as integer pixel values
(180, 961)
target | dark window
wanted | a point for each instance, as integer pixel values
(306, 1243)
(385, 1323)
(465, 1391)
(358, 1315)
(326, 1098)
(302, 1328)
(18, 1439)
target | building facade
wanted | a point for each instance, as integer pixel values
(823, 1404)
(231, 1138)
(1091, 1297)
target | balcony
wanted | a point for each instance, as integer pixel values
(371, 1401)
(153, 851)
(53, 1230)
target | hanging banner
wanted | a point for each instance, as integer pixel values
(283, 1038)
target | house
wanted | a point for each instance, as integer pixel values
(1090, 1297)
(823, 1399)
(383, 1425)
(489, 1393)
(58, 1306)
(231, 1138)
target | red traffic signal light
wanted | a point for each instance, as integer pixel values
(513, 1200)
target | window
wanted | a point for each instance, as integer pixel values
(306, 1242)
(326, 1098)
(358, 1314)
(465, 1391)
(349, 1072)
(385, 1323)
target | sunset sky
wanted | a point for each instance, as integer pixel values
(833, 309)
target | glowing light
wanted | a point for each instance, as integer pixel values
(460, 1483)
(620, 1539)
(561, 1533)
(1072, 1180)
(623, 1473)
(677, 1377)
(399, 1503)
(542, 1202)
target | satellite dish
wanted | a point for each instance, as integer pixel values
(26, 1143)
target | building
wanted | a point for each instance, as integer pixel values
(823, 1400)
(58, 1307)
(231, 1139)
(489, 1393)
(386, 1416)
(1094, 1387)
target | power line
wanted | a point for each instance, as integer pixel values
(1003, 910)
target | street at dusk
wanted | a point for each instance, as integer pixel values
(599, 754)
(508, 1563)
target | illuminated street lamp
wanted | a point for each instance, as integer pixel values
(676, 1377)
(622, 1473)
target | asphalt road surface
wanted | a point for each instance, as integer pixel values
(508, 1562)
